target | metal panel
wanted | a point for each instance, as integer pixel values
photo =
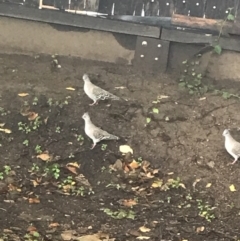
(151, 55)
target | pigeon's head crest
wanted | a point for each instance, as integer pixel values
(86, 116)
(226, 132)
(85, 77)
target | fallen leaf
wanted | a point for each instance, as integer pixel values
(232, 188)
(120, 87)
(72, 169)
(125, 149)
(196, 181)
(208, 185)
(33, 200)
(45, 120)
(35, 183)
(67, 235)
(145, 165)
(203, 98)
(200, 229)
(7, 131)
(53, 225)
(143, 237)
(163, 97)
(81, 179)
(2, 124)
(31, 229)
(144, 229)
(157, 183)
(182, 185)
(44, 157)
(155, 171)
(23, 94)
(129, 203)
(70, 88)
(117, 166)
(74, 164)
(32, 116)
(134, 164)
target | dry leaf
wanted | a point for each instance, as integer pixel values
(155, 171)
(134, 164)
(208, 185)
(44, 157)
(232, 188)
(129, 203)
(196, 181)
(33, 200)
(2, 124)
(117, 166)
(81, 179)
(157, 183)
(170, 173)
(45, 120)
(72, 169)
(31, 229)
(35, 183)
(143, 237)
(200, 229)
(23, 94)
(125, 149)
(70, 88)
(163, 97)
(74, 164)
(32, 116)
(182, 185)
(67, 235)
(145, 165)
(203, 98)
(7, 131)
(144, 229)
(53, 225)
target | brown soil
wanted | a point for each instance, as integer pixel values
(183, 140)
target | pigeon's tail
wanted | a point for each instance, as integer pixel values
(114, 97)
(111, 137)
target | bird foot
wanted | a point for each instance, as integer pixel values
(94, 103)
(92, 146)
(232, 163)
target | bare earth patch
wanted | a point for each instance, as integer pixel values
(175, 186)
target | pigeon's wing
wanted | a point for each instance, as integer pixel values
(100, 134)
(236, 148)
(102, 94)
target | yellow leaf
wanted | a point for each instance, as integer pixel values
(33, 200)
(32, 116)
(134, 164)
(129, 203)
(44, 157)
(6, 130)
(35, 183)
(72, 169)
(23, 94)
(74, 164)
(143, 237)
(144, 229)
(125, 149)
(182, 185)
(232, 188)
(157, 183)
(208, 185)
(70, 88)
(200, 229)
(53, 225)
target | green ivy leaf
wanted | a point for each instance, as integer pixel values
(155, 110)
(148, 120)
(230, 17)
(218, 49)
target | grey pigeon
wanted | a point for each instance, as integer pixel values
(96, 93)
(232, 146)
(95, 133)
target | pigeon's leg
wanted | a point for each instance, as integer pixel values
(94, 103)
(93, 145)
(234, 161)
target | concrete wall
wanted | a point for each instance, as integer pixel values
(20, 36)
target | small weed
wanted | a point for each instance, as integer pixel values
(36, 123)
(7, 169)
(120, 214)
(33, 236)
(175, 183)
(26, 142)
(24, 127)
(205, 210)
(35, 168)
(3, 112)
(140, 159)
(80, 138)
(58, 129)
(71, 155)
(55, 171)
(1, 175)
(117, 186)
(103, 168)
(35, 101)
(38, 149)
(104, 147)
(50, 101)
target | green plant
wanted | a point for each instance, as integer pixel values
(33, 236)
(120, 214)
(71, 155)
(38, 149)
(1, 175)
(104, 147)
(3, 112)
(58, 129)
(24, 127)
(80, 138)
(50, 101)
(26, 142)
(55, 170)
(35, 101)
(7, 169)
(36, 123)
(205, 210)
(35, 168)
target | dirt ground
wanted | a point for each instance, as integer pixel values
(178, 187)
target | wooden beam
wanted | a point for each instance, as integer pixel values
(203, 23)
(77, 20)
(185, 37)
